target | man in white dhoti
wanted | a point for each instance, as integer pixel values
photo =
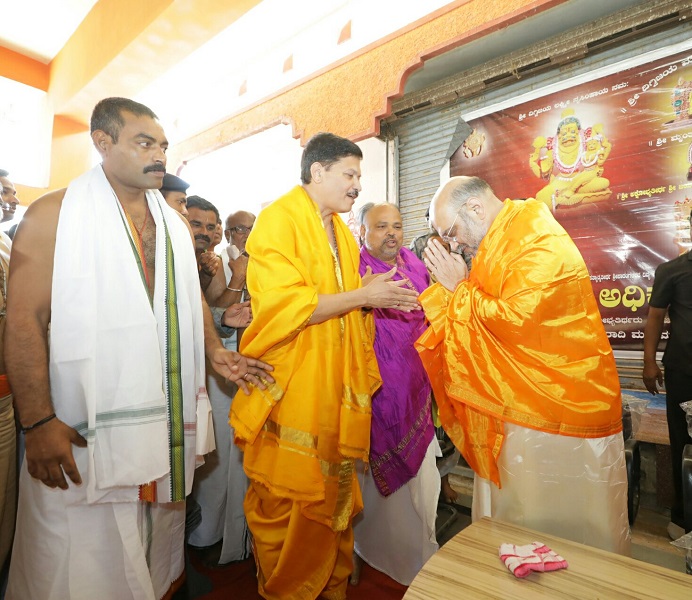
(116, 402)
(395, 533)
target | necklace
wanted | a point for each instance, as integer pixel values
(335, 248)
(568, 169)
(140, 232)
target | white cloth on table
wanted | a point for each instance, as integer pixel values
(573, 488)
(396, 534)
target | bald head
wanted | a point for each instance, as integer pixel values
(462, 210)
(238, 227)
(383, 232)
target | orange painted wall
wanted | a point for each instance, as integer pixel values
(23, 69)
(105, 32)
(123, 44)
(377, 74)
(71, 151)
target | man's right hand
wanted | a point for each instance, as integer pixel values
(208, 263)
(49, 453)
(382, 292)
(652, 375)
(239, 268)
(448, 268)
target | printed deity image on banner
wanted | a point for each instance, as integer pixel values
(611, 157)
(572, 162)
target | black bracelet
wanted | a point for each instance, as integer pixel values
(37, 424)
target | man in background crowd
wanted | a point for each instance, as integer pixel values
(229, 286)
(221, 483)
(8, 431)
(202, 216)
(672, 294)
(218, 235)
(174, 192)
(451, 454)
(8, 196)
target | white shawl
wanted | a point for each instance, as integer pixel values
(109, 350)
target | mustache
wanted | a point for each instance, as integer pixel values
(201, 236)
(354, 194)
(155, 167)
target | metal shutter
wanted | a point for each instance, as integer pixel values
(423, 145)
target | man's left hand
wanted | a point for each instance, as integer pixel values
(237, 315)
(241, 370)
(449, 269)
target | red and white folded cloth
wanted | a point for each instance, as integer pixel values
(522, 560)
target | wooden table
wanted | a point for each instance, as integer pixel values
(468, 566)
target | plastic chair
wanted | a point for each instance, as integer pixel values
(633, 464)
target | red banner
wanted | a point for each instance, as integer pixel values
(612, 158)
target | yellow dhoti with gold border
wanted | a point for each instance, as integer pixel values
(521, 343)
(302, 436)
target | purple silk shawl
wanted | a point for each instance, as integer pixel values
(402, 426)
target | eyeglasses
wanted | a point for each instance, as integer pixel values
(241, 229)
(446, 237)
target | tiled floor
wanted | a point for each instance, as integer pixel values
(650, 541)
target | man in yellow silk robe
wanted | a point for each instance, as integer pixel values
(302, 436)
(522, 370)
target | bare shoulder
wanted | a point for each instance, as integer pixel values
(50, 202)
(35, 236)
(41, 218)
(33, 250)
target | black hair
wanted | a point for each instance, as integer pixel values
(326, 149)
(202, 204)
(107, 115)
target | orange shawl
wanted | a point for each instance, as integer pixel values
(301, 436)
(520, 341)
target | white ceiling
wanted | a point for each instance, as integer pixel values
(40, 28)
